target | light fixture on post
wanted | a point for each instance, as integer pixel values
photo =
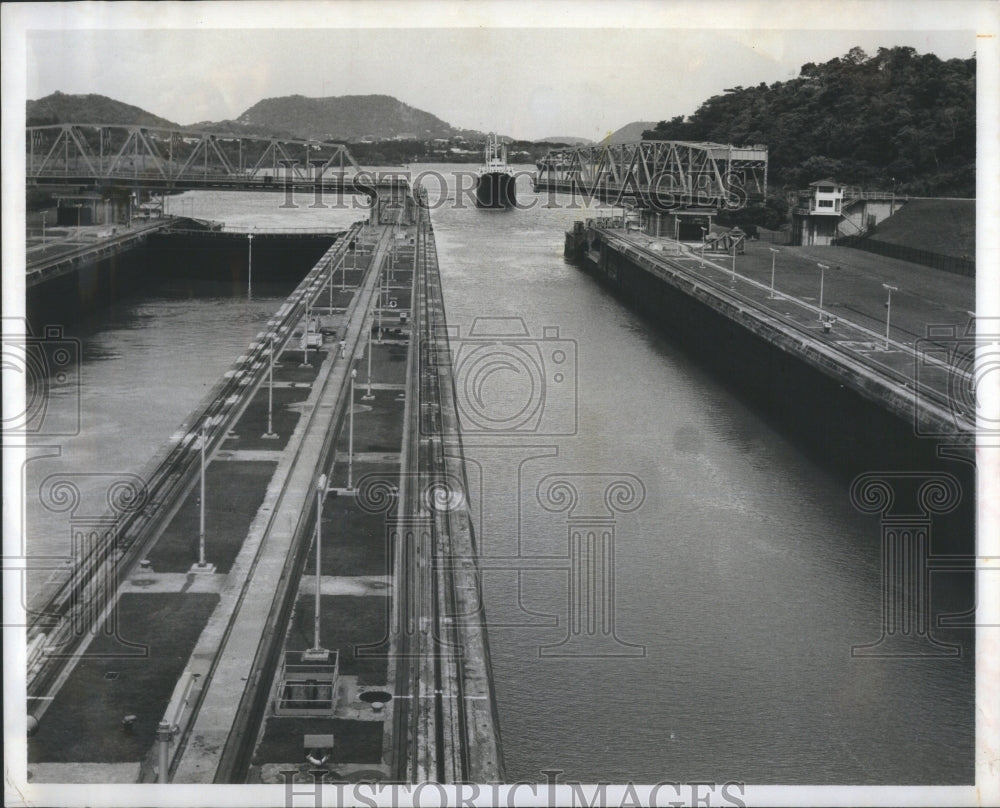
(822, 273)
(305, 338)
(270, 434)
(888, 310)
(350, 436)
(368, 395)
(732, 280)
(318, 652)
(249, 265)
(202, 566)
(774, 253)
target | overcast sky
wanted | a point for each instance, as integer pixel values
(525, 82)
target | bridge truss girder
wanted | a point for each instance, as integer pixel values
(112, 154)
(663, 174)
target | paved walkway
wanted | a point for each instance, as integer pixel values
(927, 350)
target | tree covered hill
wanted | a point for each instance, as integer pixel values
(897, 117)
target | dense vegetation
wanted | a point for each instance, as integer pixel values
(896, 119)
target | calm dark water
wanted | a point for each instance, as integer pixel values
(741, 582)
(746, 574)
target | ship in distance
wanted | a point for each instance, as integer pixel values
(495, 181)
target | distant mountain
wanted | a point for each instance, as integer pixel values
(629, 133)
(231, 127)
(569, 141)
(63, 108)
(347, 117)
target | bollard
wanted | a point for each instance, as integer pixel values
(163, 735)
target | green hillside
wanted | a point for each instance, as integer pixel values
(865, 120)
(943, 226)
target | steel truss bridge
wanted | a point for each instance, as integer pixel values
(661, 175)
(111, 156)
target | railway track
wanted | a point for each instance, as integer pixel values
(920, 391)
(237, 757)
(435, 733)
(430, 715)
(80, 603)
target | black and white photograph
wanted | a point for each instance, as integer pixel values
(481, 403)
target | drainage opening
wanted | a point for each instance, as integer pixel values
(373, 696)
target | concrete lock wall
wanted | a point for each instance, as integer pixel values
(841, 429)
(97, 283)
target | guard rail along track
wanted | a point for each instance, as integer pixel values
(451, 721)
(932, 402)
(80, 602)
(237, 756)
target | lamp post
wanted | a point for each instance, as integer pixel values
(44, 214)
(888, 310)
(732, 281)
(270, 434)
(305, 337)
(822, 271)
(380, 302)
(249, 265)
(330, 287)
(202, 565)
(201, 510)
(318, 651)
(368, 396)
(774, 253)
(704, 237)
(353, 247)
(350, 437)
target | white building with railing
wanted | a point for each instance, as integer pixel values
(817, 212)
